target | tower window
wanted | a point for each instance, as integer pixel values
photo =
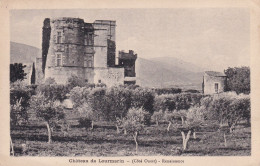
(58, 59)
(216, 87)
(89, 64)
(99, 81)
(59, 37)
(85, 62)
(88, 39)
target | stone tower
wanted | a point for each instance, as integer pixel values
(71, 46)
(70, 49)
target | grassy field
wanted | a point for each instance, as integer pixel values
(31, 140)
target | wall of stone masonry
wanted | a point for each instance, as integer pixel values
(71, 47)
(209, 84)
(61, 74)
(104, 31)
(109, 76)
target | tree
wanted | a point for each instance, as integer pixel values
(143, 98)
(15, 118)
(17, 72)
(49, 81)
(134, 123)
(98, 102)
(171, 118)
(87, 115)
(33, 76)
(157, 116)
(119, 102)
(238, 79)
(53, 91)
(239, 109)
(50, 112)
(79, 95)
(21, 93)
(195, 119)
(74, 81)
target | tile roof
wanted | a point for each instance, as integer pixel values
(215, 73)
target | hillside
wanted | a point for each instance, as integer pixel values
(22, 53)
(156, 72)
(161, 73)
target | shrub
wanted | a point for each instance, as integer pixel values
(98, 102)
(53, 91)
(74, 81)
(85, 122)
(79, 95)
(16, 114)
(160, 91)
(49, 81)
(182, 101)
(19, 93)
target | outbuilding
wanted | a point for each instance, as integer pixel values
(214, 82)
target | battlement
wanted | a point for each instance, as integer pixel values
(127, 55)
(67, 19)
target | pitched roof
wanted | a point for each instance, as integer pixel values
(215, 74)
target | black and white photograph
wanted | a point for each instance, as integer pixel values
(128, 85)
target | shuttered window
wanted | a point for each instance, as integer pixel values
(58, 60)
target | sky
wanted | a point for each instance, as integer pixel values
(211, 38)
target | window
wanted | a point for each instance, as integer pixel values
(85, 62)
(59, 37)
(67, 49)
(89, 64)
(99, 81)
(58, 59)
(86, 41)
(58, 47)
(90, 39)
(216, 87)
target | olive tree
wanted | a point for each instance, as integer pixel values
(86, 115)
(119, 102)
(14, 119)
(134, 123)
(157, 116)
(46, 110)
(195, 119)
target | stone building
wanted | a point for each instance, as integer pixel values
(127, 60)
(214, 82)
(71, 46)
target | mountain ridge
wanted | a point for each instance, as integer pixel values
(154, 72)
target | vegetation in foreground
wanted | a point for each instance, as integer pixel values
(104, 141)
(126, 120)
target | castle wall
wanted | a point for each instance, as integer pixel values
(61, 74)
(82, 49)
(38, 71)
(110, 76)
(104, 31)
(67, 39)
(209, 84)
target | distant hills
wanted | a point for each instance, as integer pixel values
(155, 72)
(22, 53)
(168, 72)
